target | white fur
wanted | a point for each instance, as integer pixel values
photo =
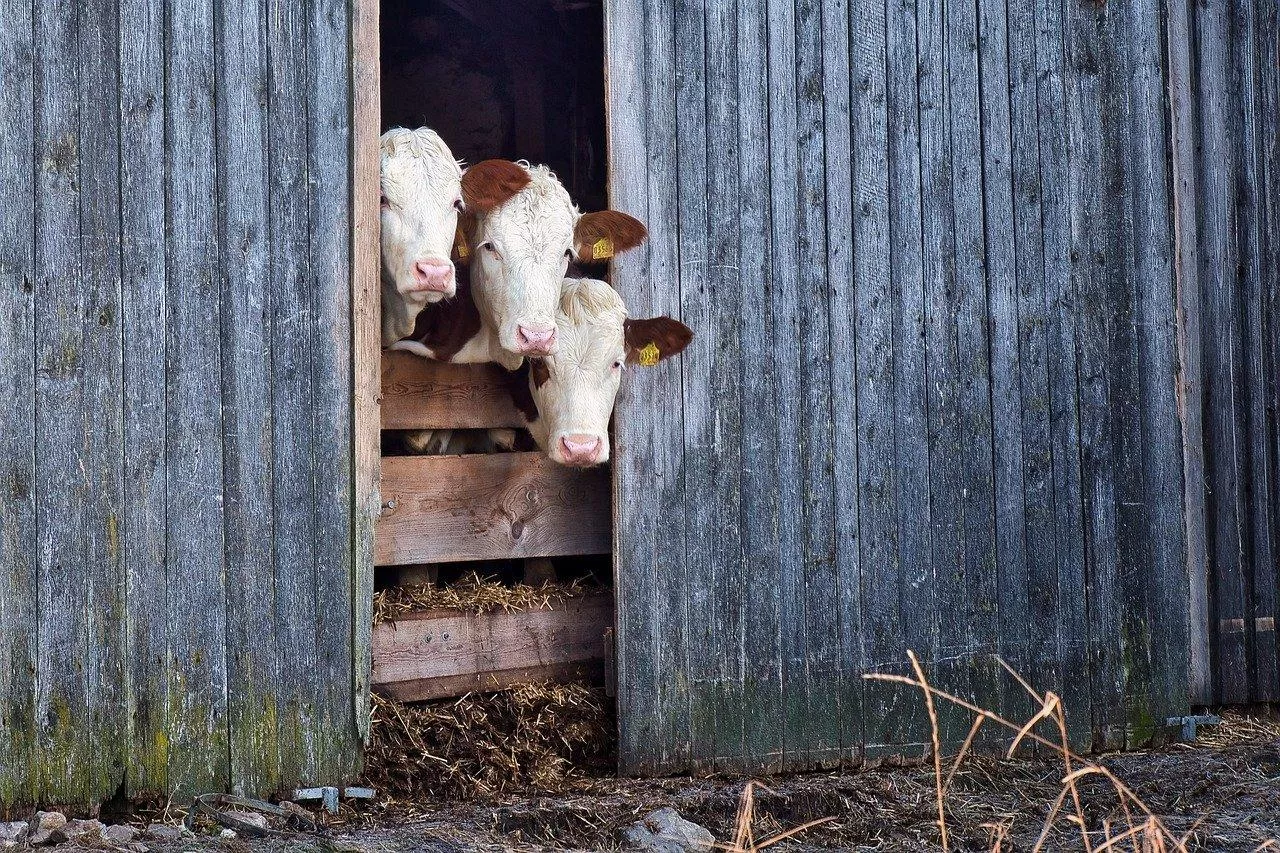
(422, 183)
(586, 370)
(521, 252)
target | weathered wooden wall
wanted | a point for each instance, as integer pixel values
(176, 533)
(928, 251)
(1226, 106)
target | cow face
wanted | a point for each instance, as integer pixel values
(573, 389)
(521, 250)
(423, 191)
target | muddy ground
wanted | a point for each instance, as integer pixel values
(1223, 794)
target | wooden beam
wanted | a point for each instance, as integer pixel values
(445, 653)
(366, 123)
(421, 394)
(501, 506)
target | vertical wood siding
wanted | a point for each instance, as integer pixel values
(176, 551)
(927, 249)
(1228, 163)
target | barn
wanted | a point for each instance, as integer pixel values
(985, 302)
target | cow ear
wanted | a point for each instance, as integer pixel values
(649, 341)
(599, 236)
(489, 183)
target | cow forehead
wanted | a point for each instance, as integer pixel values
(418, 161)
(540, 215)
(589, 323)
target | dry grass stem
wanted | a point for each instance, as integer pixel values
(937, 748)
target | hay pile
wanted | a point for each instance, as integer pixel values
(473, 594)
(535, 737)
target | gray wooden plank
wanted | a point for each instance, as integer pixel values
(1221, 347)
(1038, 660)
(818, 577)
(366, 124)
(101, 418)
(1012, 517)
(869, 304)
(979, 605)
(1068, 500)
(292, 311)
(62, 451)
(945, 474)
(1095, 177)
(1190, 389)
(197, 713)
(1260, 544)
(917, 583)
(143, 320)
(19, 580)
(719, 350)
(253, 665)
(785, 262)
(840, 128)
(329, 170)
(1152, 246)
(665, 296)
(693, 209)
(762, 687)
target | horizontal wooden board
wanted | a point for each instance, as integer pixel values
(505, 505)
(446, 653)
(418, 393)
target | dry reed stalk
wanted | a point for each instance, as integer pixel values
(937, 750)
(743, 837)
(1153, 833)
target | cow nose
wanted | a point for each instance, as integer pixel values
(535, 341)
(580, 449)
(433, 274)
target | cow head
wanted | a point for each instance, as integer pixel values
(521, 249)
(423, 191)
(570, 393)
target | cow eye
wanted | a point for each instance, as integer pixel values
(386, 205)
(489, 247)
(458, 205)
(620, 364)
(568, 253)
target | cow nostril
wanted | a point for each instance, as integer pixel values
(580, 447)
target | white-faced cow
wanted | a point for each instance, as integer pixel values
(567, 397)
(423, 191)
(519, 252)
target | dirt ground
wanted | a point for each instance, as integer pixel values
(1222, 793)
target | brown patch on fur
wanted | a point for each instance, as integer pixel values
(489, 183)
(539, 371)
(668, 335)
(625, 232)
(521, 396)
(445, 327)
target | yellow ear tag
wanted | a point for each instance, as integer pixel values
(460, 242)
(648, 355)
(602, 249)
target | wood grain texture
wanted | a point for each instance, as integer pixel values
(954, 315)
(366, 123)
(418, 393)
(505, 505)
(19, 579)
(440, 654)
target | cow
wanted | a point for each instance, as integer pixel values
(567, 396)
(423, 192)
(519, 252)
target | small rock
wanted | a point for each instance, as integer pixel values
(47, 823)
(254, 819)
(228, 834)
(164, 832)
(12, 832)
(665, 831)
(120, 834)
(79, 831)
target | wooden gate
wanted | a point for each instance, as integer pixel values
(927, 249)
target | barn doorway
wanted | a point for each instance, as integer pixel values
(493, 569)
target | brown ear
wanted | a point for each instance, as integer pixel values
(489, 183)
(464, 239)
(650, 341)
(599, 236)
